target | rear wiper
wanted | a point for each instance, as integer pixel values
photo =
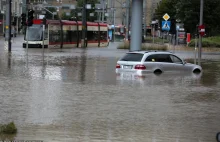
(123, 60)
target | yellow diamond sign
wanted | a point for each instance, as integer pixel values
(166, 17)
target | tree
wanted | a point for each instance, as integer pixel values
(166, 6)
(48, 15)
(80, 4)
(65, 17)
(188, 11)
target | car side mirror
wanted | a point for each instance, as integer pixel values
(184, 62)
(218, 137)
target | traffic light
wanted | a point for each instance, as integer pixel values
(30, 17)
(23, 19)
(173, 26)
(156, 26)
(44, 21)
(14, 23)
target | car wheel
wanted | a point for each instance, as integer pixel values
(218, 137)
(196, 71)
(157, 71)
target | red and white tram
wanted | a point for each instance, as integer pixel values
(64, 34)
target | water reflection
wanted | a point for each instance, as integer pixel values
(6, 137)
(9, 60)
(80, 98)
(82, 70)
(164, 78)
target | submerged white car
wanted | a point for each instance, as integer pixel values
(142, 62)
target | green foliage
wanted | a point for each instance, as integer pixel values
(144, 47)
(207, 42)
(156, 40)
(8, 128)
(80, 4)
(188, 11)
(49, 15)
(166, 6)
(65, 17)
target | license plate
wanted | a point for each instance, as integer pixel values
(127, 76)
(127, 67)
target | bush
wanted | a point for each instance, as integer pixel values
(8, 128)
(156, 40)
(207, 42)
(144, 47)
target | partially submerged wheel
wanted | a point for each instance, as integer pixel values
(157, 71)
(196, 71)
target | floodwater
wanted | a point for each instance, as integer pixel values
(75, 96)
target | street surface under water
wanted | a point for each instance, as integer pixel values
(74, 95)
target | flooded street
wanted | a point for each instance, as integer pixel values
(72, 95)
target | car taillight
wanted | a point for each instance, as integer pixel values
(118, 66)
(140, 67)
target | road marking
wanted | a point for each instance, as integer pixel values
(6, 45)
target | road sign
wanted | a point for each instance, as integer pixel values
(202, 30)
(188, 37)
(166, 17)
(166, 25)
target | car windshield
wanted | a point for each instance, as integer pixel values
(34, 33)
(134, 57)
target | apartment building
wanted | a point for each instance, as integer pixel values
(16, 12)
(116, 10)
(120, 11)
(64, 5)
(150, 8)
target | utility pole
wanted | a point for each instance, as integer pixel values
(112, 12)
(8, 25)
(136, 25)
(144, 17)
(113, 15)
(84, 27)
(200, 37)
(103, 11)
(127, 19)
(114, 24)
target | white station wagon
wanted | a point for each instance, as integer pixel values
(142, 62)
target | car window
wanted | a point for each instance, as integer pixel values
(175, 59)
(134, 57)
(159, 58)
(151, 58)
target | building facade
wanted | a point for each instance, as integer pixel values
(150, 8)
(116, 10)
(119, 7)
(16, 8)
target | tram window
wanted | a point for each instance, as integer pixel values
(55, 36)
(103, 35)
(70, 36)
(75, 36)
(92, 35)
(80, 34)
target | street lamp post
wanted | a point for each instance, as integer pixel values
(127, 18)
(84, 29)
(49, 12)
(103, 12)
(200, 37)
(8, 25)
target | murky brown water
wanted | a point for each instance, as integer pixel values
(79, 98)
